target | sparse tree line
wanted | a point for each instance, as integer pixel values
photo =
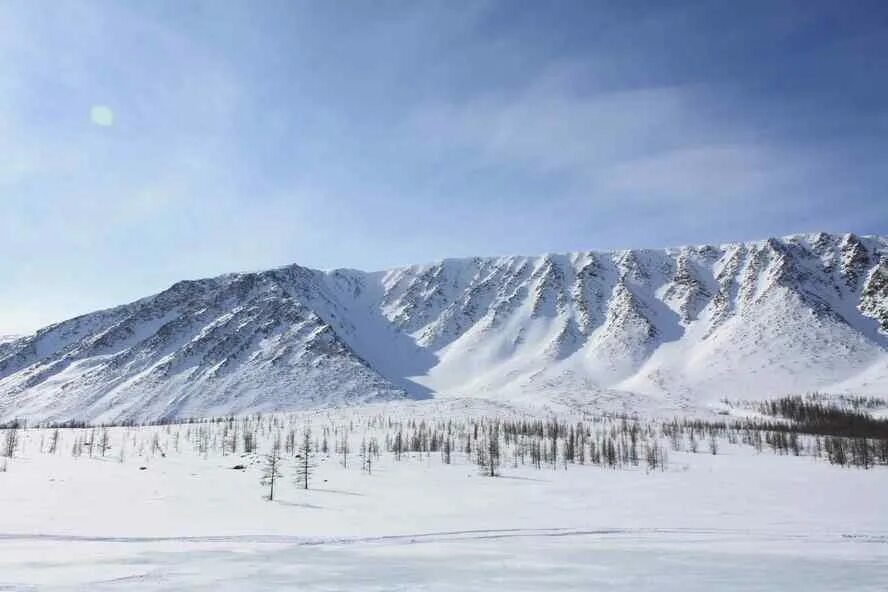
(825, 419)
(277, 439)
(292, 443)
(779, 438)
(838, 429)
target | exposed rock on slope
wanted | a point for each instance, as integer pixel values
(666, 328)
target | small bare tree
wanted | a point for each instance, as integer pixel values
(11, 436)
(104, 441)
(488, 453)
(398, 444)
(249, 442)
(344, 450)
(272, 470)
(304, 465)
(77, 447)
(54, 441)
(371, 451)
(365, 457)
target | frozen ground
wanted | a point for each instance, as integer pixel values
(738, 520)
(616, 560)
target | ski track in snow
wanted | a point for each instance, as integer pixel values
(637, 559)
(461, 535)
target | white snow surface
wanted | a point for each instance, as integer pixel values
(651, 331)
(134, 519)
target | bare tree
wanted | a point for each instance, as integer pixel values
(553, 434)
(54, 441)
(92, 442)
(290, 442)
(371, 452)
(398, 444)
(304, 466)
(77, 447)
(104, 442)
(156, 448)
(344, 450)
(11, 438)
(366, 457)
(489, 452)
(249, 441)
(272, 470)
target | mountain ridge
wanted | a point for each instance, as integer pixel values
(631, 329)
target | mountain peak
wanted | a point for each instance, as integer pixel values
(673, 327)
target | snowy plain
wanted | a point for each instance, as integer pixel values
(736, 520)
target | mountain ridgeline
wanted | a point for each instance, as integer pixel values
(625, 330)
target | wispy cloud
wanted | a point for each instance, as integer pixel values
(655, 144)
(251, 136)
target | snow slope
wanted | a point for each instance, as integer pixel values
(636, 329)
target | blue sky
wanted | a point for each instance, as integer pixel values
(247, 135)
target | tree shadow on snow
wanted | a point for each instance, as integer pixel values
(517, 478)
(338, 491)
(299, 505)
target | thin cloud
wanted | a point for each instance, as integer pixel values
(251, 136)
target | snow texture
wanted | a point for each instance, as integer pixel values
(135, 519)
(636, 330)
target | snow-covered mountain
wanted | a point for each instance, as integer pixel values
(633, 329)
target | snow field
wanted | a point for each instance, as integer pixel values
(734, 520)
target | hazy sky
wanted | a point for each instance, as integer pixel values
(146, 142)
